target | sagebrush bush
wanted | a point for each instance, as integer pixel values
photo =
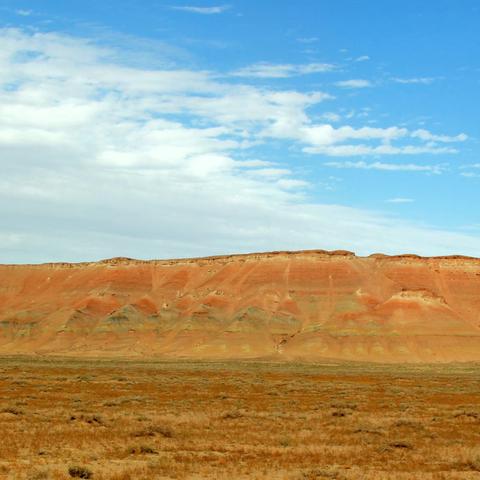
(80, 472)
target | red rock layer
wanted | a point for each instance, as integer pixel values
(309, 305)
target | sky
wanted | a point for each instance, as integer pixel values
(168, 129)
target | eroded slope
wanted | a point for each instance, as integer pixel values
(285, 305)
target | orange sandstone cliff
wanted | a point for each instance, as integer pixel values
(308, 305)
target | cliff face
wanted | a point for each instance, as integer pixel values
(286, 305)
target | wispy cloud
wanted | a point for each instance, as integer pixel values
(307, 39)
(343, 140)
(355, 150)
(400, 200)
(470, 170)
(202, 10)
(24, 13)
(331, 116)
(389, 167)
(362, 58)
(272, 70)
(354, 83)
(427, 136)
(414, 80)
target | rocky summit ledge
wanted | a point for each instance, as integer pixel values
(252, 256)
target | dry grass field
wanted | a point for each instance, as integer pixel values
(122, 420)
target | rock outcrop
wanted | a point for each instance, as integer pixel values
(307, 305)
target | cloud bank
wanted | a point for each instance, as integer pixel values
(100, 158)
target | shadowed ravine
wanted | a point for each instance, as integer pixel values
(307, 305)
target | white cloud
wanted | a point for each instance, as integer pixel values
(249, 112)
(248, 107)
(101, 158)
(362, 58)
(203, 10)
(269, 70)
(354, 83)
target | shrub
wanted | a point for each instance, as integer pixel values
(91, 419)
(153, 430)
(285, 442)
(12, 410)
(315, 474)
(401, 444)
(145, 449)
(80, 472)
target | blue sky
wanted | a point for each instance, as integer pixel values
(165, 129)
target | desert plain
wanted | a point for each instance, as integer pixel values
(125, 420)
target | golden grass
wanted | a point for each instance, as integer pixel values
(125, 420)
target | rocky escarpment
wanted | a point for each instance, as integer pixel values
(308, 305)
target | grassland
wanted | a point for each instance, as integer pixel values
(123, 420)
